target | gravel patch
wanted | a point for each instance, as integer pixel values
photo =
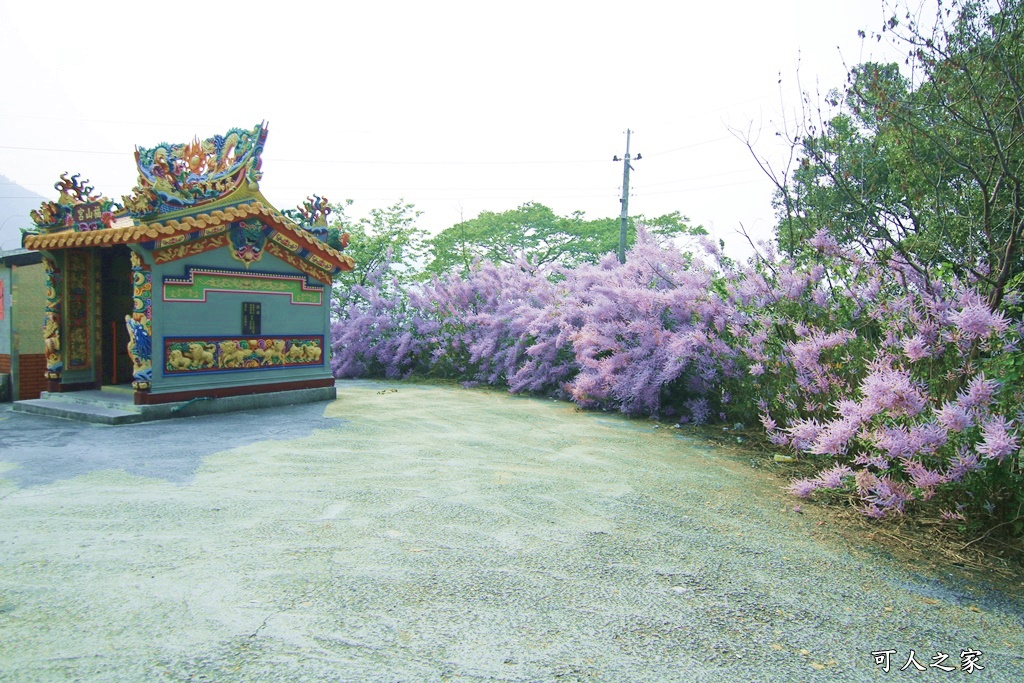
(430, 533)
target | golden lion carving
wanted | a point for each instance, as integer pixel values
(296, 354)
(178, 361)
(202, 356)
(304, 353)
(231, 354)
(274, 353)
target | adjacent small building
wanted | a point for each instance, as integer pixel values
(22, 356)
(193, 286)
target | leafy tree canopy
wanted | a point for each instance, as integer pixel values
(385, 236)
(926, 161)
(538, 233)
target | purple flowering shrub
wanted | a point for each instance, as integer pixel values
(373, 333)
(494, 327)
(923, 401)
(650, 336)
(904, 389)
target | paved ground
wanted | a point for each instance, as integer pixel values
(424, 533)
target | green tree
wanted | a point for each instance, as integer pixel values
(929, 165)
(388, 235)
(538, 233)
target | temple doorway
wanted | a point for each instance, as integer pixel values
(115, 303)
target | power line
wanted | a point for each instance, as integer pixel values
(705, 187)
(701, 177)
(412, 162)
(434, 162)
(725, 107)
(389, 162)
(177, 124)
(66, 151)
(691, 146)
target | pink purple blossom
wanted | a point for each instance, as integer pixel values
(954, 416)
(976, 321)
(824, 242)
(802, 433)
(887, 494)
(980, 392)
(833, 478)
(833, 438)
(892, 390)
(923, 478)
(803, 488)
(964, 462)
(916, 348)
(997, 438)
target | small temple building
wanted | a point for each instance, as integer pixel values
(193, 285)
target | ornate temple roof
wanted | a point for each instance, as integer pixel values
(190, 198)
(181, 177)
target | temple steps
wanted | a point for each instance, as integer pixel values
(116, 405)
(103, 406)
(82, 412)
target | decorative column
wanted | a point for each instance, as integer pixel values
(51, 324)
(140, 326)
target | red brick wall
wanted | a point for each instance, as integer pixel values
(5, 363)
(31, 367)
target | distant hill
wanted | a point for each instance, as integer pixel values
(15, 203)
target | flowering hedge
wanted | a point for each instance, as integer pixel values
(905, 389)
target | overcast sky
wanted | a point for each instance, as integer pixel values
(457, 107)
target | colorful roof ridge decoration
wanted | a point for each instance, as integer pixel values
(193, 198)
(177, 177)
(315, 256)
(77, 208)
(312, 215)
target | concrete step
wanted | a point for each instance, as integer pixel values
(93, 397)
(116, 407)
(82, 412)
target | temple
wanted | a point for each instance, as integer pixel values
(193, 286)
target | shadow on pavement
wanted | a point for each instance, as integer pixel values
(45, 449)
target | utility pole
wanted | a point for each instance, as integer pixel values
(624, 215)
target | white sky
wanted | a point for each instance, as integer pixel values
(457, 107)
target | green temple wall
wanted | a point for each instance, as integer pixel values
(220, 316)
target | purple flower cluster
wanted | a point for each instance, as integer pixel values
(860, 362)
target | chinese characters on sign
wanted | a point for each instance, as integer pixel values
(87, 216)
(86, 212)
(251, 318)
(968, 661)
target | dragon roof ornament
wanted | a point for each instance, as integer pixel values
(193, 186)
(183, 176)
(312, 215)
(77, 208)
